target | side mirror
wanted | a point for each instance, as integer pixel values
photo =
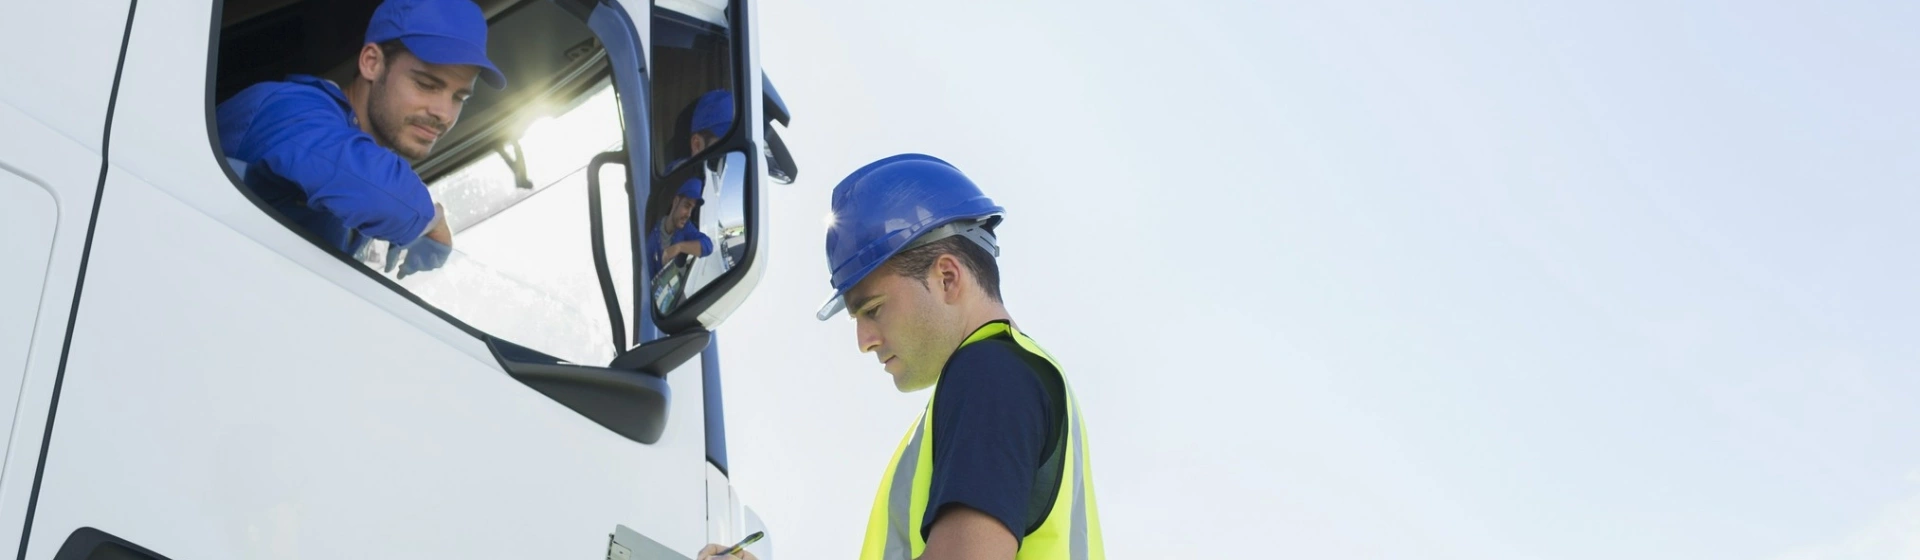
(780, 164)
(700, 243)
(698, 224)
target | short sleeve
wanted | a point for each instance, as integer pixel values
(991, 431)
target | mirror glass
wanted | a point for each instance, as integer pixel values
(696, 228)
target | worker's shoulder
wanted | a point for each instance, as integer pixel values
(996, 361)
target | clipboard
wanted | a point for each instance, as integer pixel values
(626, 544)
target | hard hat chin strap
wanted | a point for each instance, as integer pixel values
(979, 231)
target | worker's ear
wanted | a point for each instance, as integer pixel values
(950, 276)
(372, 62)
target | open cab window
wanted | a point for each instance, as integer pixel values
(601, 207)
(510, 174)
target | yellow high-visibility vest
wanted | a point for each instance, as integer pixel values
(1072, 527)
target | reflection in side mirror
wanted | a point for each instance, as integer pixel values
(701, 231)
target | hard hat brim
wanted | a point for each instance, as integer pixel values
(832, 307)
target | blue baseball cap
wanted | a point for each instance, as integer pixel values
(713, 113)
(439, 32)
(691, 189)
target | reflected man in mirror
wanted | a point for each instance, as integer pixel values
(675, 235)
(712, 118)
(335, 160)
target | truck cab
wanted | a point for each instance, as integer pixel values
(188, 374)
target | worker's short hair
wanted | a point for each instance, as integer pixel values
(914, 263)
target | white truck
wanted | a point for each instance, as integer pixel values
(187, 376)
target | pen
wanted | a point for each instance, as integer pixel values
(735, 549)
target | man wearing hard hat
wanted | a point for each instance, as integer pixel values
(998, 464)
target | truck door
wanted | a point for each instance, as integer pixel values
(239, 390)
(53, 134)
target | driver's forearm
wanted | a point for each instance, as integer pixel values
(688, 248)
(438, 230)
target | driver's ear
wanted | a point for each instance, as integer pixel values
(372, 62)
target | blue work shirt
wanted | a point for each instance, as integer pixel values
(656, 249)
(308, 159)
(999, 415)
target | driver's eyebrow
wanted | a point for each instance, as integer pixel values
(437, 82)
(429, 77)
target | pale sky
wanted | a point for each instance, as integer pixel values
(1388, 280)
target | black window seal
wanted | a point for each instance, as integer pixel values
(86, 543)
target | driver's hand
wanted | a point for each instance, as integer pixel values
(422, 255)
(712, 552)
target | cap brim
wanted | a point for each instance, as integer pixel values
(435, 49)
(831, 307)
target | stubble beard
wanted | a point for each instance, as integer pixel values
(385, 130)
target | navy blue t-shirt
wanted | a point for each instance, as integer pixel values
(998, 417)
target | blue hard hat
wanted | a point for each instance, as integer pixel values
(691, 189)
(713, 113)
(896, 204)
(438, 32)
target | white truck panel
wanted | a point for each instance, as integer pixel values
(69, 173)
(352, 434)
(28, 218)
(59, 59)
(234, 391)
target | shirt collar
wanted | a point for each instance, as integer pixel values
(987, 331)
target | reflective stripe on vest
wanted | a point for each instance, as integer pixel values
(1072, 527)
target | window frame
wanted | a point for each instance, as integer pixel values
(628, 396)
(573, 87)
